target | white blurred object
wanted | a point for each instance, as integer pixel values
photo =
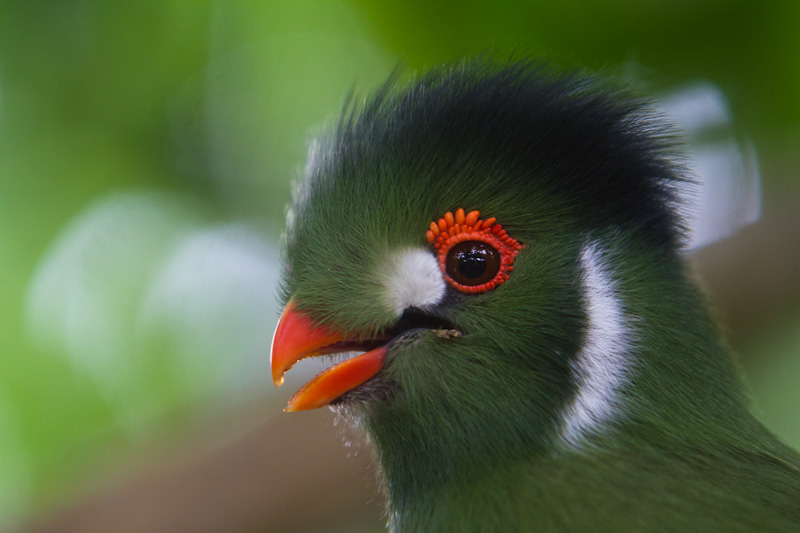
(727, 195)
(89, 280)
(141, 281)
(214, 298)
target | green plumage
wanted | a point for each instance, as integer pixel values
(470, 431)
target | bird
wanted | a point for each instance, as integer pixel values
(489, 257)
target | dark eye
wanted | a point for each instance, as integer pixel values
(472, 263)
(475, 255)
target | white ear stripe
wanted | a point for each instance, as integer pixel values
(602, 366)
(412, 278)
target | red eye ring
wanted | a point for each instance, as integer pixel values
(451, 230)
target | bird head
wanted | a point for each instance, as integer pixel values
(485, 244)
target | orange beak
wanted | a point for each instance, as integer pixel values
(298, 337)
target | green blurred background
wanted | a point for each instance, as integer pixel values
(146, 150)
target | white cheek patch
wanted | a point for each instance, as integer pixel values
(412, 278)
(602, 365)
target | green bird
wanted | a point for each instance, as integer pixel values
(492, 255)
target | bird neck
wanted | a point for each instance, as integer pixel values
(432, 472)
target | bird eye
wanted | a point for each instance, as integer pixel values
(474, 255)
(472, 263)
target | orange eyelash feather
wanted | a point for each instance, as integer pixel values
(452, 229)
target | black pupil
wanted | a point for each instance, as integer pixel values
(472, 262)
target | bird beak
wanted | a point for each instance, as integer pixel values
(298, 337)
